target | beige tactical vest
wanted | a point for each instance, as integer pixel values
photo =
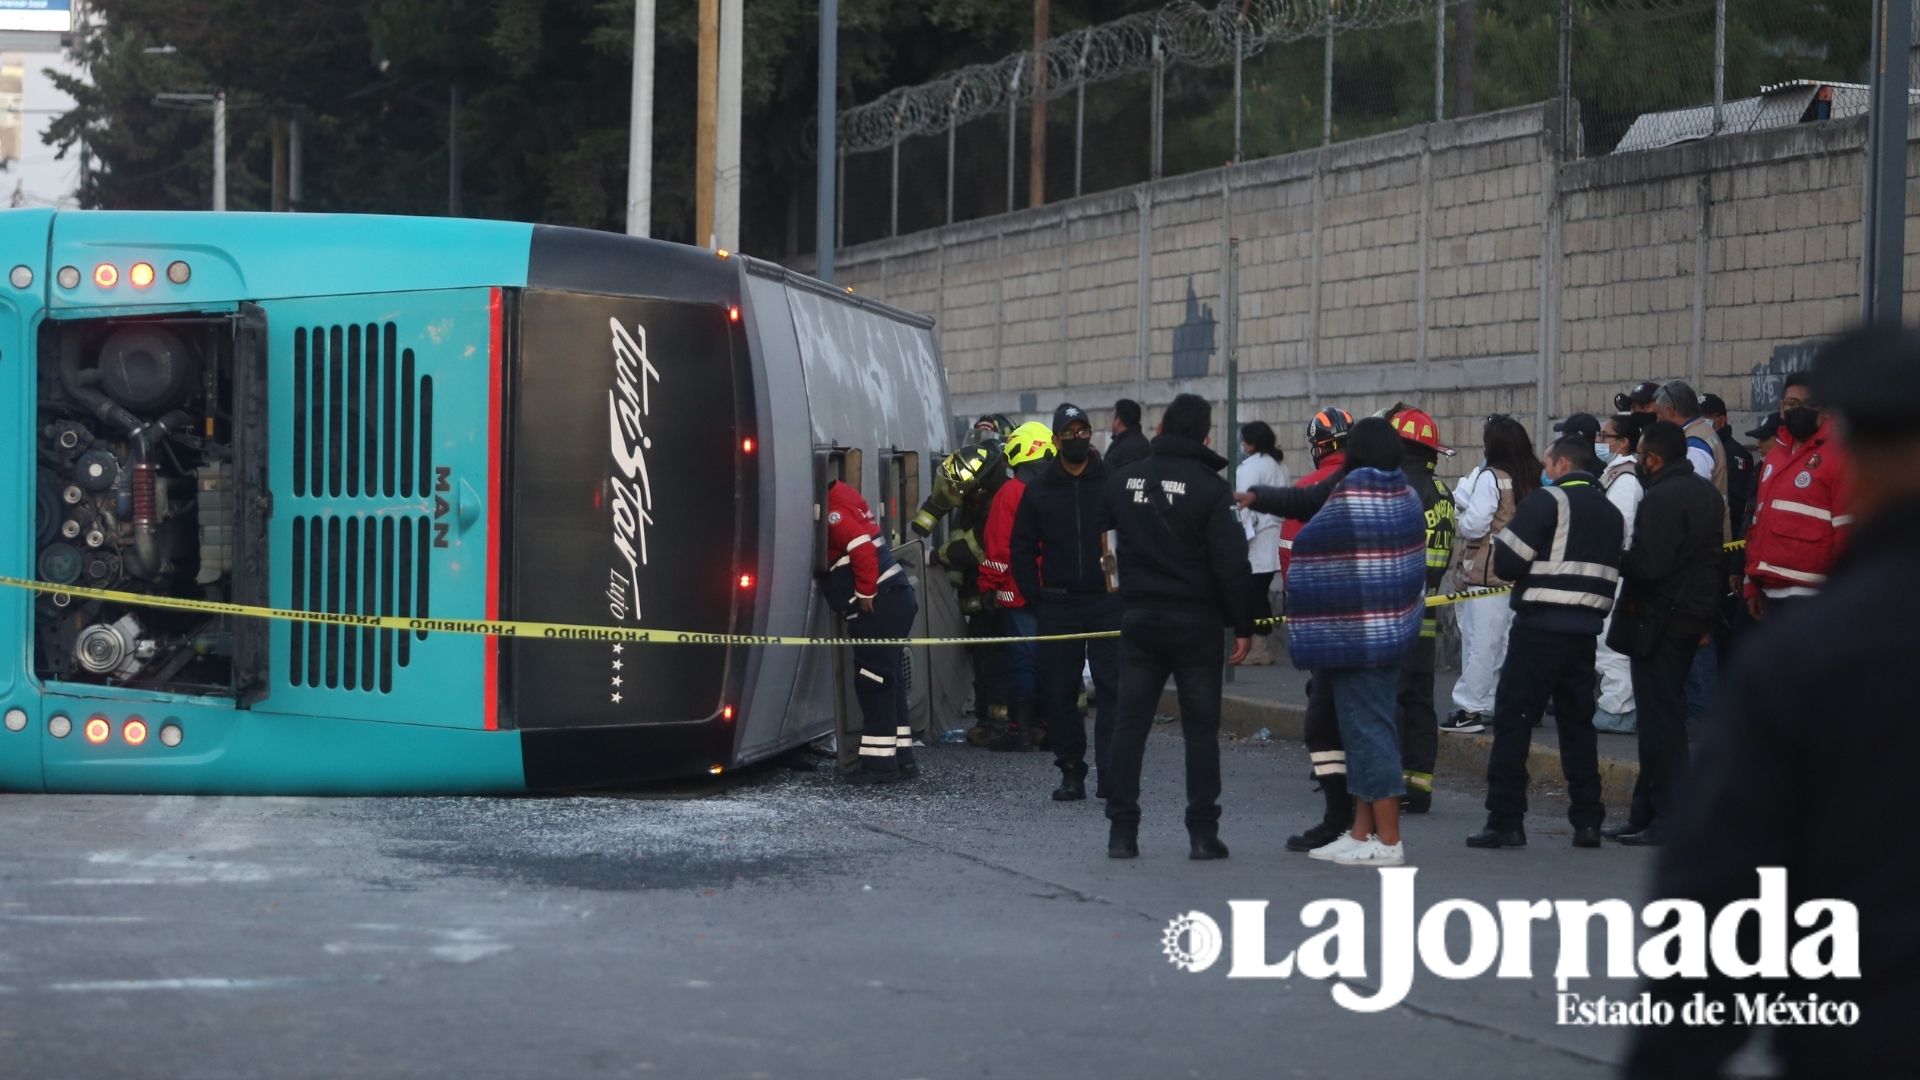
(1476, 556)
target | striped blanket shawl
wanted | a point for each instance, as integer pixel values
(1356, 589)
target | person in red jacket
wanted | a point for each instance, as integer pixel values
(1801, 510)
(1028, 450)
(874, 595)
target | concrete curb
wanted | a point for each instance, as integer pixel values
(1462, 758)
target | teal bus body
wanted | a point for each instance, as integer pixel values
(442, 420)
(298, 268)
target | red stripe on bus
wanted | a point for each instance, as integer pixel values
(490, 671)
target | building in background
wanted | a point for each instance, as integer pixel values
(32, 34)
(12, 66)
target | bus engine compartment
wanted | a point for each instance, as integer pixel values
(150, 480)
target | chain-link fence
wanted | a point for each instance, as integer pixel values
(1186, 87)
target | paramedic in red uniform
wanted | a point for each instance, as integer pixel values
(874, 595)
(1801, 512)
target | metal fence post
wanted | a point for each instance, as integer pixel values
(893, 210)
(1326, 88)
(953, 122)
(1565, 90)
(1080, 109)
(1719, 64)
(1439, 59)
(1238, 23)
(1013, 125)
(840, 202)
(1159, 106)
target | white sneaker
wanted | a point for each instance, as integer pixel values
(1340, 845)
(1373, 853)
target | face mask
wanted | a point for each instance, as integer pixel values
(1801, 422)
(1545, 480)
(1075, 451)
(1604, 451)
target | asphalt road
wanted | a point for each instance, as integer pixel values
(775, 926)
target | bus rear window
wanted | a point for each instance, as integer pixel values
(623, 465)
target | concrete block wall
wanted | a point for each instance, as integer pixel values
(1461, 266)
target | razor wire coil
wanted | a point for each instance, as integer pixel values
(1181, 33)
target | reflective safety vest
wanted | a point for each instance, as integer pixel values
(1438, 503)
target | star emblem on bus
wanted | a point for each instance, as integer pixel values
(616, 698)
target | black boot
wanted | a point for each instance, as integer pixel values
(1123, 840)
(1205, 842)
(909, 768)
(1073, 782)
(1337, 820)
(864, 771)
(1015, 736)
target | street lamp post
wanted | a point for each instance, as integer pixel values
(219, 103)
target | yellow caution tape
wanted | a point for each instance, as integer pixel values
(545, 631)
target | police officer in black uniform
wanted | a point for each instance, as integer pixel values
(1183, 575)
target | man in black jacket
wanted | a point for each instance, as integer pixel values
(1675, 576)
(1057, 564)
(1562, 553)
(1183, 574)
(1128, 445)
(1810, 767)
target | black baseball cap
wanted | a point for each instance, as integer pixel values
(1767, 428)
(1711, 405)
(1066, 414)
(1579, 423)
(1641, 394)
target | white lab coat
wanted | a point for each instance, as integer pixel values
(1263, 530)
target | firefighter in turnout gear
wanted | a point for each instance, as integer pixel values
(1327, 435)
(969, 478)
(874, 595)
(1419, 723)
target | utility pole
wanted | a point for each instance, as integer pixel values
(706, 133)
(277, 137)
(726, 169)
(453, 150)
(1887, 111)
(640, 124)
(1037, 120)
(219, 104)
(293, 162)
(823, 233)
(219, 151)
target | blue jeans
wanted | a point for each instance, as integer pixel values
(1022, 681)
(1364, 701)
(1703, 686)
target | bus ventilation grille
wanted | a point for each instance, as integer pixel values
(362, 438)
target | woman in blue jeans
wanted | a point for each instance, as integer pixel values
(1357, 591)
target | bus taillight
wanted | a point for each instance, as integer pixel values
(135, 731)
(726, 713)
(98, 729)
(746, 581)
(140, 275)
(106, 275)
(746, 446)
(733, 313)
